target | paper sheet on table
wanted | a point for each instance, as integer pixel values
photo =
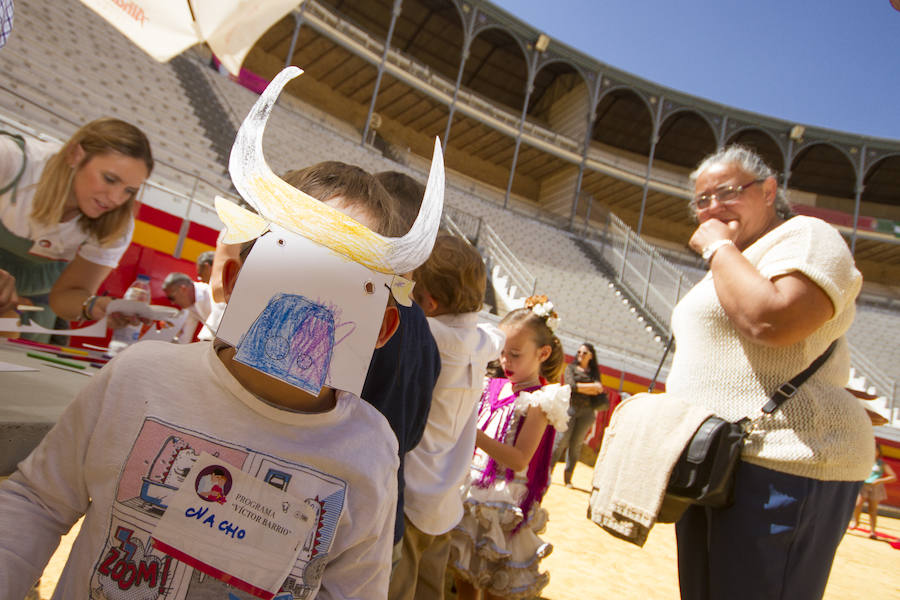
(134, 307)
(6, 367)
(170, 331)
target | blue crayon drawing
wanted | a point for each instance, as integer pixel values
(292, 339)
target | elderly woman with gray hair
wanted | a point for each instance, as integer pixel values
(780, 289)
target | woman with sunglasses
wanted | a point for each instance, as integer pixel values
(583, 374)
(66, 217)
(780, 289)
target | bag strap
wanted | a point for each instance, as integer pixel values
(20, 142)
(787, 390)
(660, 365)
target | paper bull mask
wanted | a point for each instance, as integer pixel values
(310, 297)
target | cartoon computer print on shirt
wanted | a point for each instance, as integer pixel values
(159, 463)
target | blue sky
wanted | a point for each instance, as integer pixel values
(833, 64)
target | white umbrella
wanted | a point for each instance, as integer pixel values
(165, 28)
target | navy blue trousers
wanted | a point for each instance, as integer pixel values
(776, 542)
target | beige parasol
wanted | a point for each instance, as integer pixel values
(166, 28)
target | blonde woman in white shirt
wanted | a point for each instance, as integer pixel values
(779, 291)
(66, 216)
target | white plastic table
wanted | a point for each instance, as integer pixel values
(31, 403)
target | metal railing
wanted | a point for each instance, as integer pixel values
(884, 384)
(495, 252)
(641, 270)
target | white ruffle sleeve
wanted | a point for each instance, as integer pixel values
(553, 399)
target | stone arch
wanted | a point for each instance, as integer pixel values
(561, 97)
(761, 142)
(823, 169)
(685, 137)
(421, 25)
(497, 67)
(882, 181)
(624, 121)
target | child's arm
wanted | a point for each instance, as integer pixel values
(517, 456)
(889, 475)
(47, 494)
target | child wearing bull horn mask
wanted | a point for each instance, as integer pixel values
(273, 401)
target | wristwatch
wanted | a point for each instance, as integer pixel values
(711, 248)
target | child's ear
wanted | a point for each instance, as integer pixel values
(389, 325)
(223, 253)
(544, 353)
(425, 301)
(230, 271)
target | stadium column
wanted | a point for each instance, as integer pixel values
(468, 36)
(654, 139)
(529, 88)
(398, 6)
(788, 159)
(593, 101)
(298, 22)
(860, 173)
(723, 130)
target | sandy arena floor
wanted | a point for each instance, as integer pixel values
(588, 564)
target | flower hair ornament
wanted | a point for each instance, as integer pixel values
(543, 308)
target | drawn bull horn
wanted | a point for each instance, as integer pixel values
(276, 201)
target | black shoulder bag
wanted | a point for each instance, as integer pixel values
(704, 473)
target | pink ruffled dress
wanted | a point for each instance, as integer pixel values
(496, 546)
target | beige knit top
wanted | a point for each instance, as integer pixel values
(822, 432)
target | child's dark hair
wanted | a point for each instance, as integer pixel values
(536, 322)
(593, 367)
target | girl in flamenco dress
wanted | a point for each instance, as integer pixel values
(495, 549)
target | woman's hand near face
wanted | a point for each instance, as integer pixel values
(712, 230)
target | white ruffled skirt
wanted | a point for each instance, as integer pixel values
(487, 553)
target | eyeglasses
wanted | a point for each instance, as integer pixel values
(724, 195)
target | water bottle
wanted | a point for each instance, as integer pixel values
(125, 336)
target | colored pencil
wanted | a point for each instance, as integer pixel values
(90, 359)
(71, 370)
(50, 347)
(53, 359)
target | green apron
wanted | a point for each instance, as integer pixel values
(35, 275)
